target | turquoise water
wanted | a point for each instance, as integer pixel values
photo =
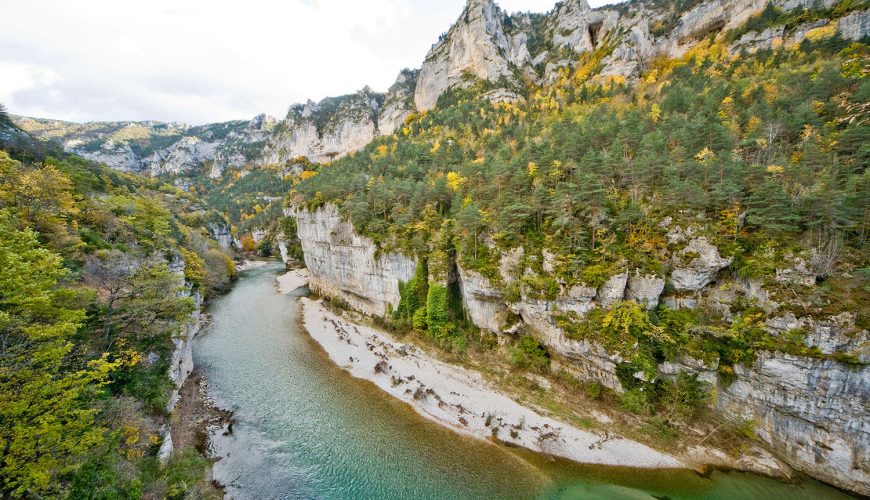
(306, 429)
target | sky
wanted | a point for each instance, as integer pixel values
(203, 61)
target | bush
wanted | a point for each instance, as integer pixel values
(529, 353)
(438, 311)
(419, 320)
(660, 428)
(593, 390)
(685, 396)
(635, 400)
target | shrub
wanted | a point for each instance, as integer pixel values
(634, 400)
(438, 311)
(419, 321)
(593, 390)
(529, 353)
(685, 396)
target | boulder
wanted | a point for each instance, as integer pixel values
(702, 269)
(645, 290)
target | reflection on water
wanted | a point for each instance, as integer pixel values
(306, 429)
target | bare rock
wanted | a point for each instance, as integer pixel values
(645, 290)
(702, 269)
(613, 290)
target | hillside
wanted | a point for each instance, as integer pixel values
(687, 232)
(657, 211)
(104, 274)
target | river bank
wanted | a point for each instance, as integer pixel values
(462, 399)
(304, 427)
(194, 420)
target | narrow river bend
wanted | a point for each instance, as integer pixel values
(307, 429)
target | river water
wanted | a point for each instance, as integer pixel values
(306, 429)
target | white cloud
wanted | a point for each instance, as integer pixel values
(208, 60)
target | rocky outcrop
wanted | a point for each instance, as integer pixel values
(320, 132)
(348, 266)
(833, 335)
(613, 290)
(484, 304)
(181, 364)
(398, 103)
(704, 263)
(155, 148)
(484, 44)
(759, 40)
(325, 130)
(813, 412)
(221, 233)
(239, 145)
(476, 47)
(645, 289)
(115, 154)
(187, 154)
(856, 25)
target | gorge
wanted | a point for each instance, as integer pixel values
(303, 427)
(608, 252)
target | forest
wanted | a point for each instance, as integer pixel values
(101, 272)
(762, 154)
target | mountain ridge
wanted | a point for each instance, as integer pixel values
(507, 52)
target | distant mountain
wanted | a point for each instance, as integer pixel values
(510, 53)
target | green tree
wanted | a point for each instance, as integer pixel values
(4, 116)
(46, 428)
(438, 311)
(771, 208)
(155, 304)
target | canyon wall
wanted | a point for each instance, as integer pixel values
(347, 266)
(485, 44)
(813, 412)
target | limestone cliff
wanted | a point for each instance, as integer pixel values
(345, 265)
(476, 47)
(325, 130)
(813, 412)
(484, 44)
(487, 44)
(398, 103)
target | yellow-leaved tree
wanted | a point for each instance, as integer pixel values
(46, 427)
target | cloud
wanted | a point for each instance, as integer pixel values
(208, 60)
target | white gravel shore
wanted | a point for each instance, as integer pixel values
(289, 282)
(461, 399)
(250, 264)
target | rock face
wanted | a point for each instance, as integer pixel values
(484, 304)
(813, 412)
(613, 290)
(321, 132)
(222, 234)
(398, 103)
(486, 44)
(505, 51)
(155, 148)
(476, 47)
(705, 263)
(645, 290)
(345, 265)
(326, 130)
(856, 25)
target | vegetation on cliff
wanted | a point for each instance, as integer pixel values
(762, 154)
(92, 294)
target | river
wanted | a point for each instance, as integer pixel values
(306, 429)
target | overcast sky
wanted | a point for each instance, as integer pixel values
(200, 61)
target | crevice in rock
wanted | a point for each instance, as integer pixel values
(594, 31)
